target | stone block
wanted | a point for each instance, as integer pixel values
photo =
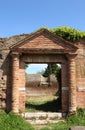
(77, 128)
(3, 95)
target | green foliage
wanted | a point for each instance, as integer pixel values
(68, 33)
(77, 119)
(13, 122)
(81, 112)
(26, 65)
(52, 69)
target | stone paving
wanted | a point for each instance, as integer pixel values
(43, 117)
(77, 128)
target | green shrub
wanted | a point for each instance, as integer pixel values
(13, 122)
(67, 33)
(70, 34)
(77, 119)
(81, 112)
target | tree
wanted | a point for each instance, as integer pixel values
(26, 66)
(53, 69)
(56, 70)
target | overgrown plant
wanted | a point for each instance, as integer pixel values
(77, 119)
(68, 33)
(13, 122)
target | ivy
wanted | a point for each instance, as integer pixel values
(70, 34)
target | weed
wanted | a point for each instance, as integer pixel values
(13, 122)
(77, 119)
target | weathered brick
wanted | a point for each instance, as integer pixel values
(41, 47)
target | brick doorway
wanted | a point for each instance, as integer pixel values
(43, 47)
(28, 58)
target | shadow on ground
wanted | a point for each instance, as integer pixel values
(50, 106)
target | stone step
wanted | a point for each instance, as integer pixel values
(42, 122)
(42, 117)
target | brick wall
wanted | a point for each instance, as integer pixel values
(6, 79)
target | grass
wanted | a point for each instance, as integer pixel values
(42, 103)
(77, 119)
(46, 104)
(13, 122)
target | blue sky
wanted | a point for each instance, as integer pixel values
(34, 68)
(25, 16)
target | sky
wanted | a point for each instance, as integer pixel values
(26, 16)
(35, 68)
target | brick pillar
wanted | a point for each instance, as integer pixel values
(22, 91)
(65, 88)
(72, 84)
(15, 82)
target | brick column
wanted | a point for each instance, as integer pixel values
(65, 88)
(15, 82)
(72, 84)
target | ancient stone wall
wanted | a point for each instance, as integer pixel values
(80, 74)
(72, 75)
(38, 85)
(6, 70)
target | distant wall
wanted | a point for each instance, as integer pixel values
(36, 84)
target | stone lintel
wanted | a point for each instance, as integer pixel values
(65, 88)
(14, 53)
(41, 51)
(81, 88)
(22, 89)
(77, 128)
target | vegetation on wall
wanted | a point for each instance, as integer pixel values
(68, 33)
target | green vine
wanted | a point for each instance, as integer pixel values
(68, 33)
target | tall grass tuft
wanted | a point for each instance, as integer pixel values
(13, 122)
